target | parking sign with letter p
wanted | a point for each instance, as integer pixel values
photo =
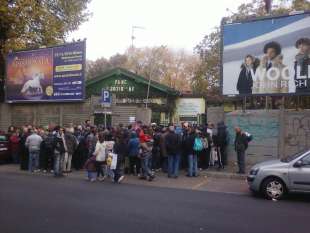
(105, 97)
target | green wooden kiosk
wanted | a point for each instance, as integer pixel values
(129, 97)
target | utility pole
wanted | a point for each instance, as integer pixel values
(268, 6)
(133, 34)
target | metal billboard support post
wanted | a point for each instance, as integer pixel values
(282, 130)
(244, 104)
(105, 120)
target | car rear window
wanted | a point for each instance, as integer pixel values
(3, 138)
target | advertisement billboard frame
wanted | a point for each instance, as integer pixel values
(52, 100)
(252, 19)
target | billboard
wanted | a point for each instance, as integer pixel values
(269, 56)
(46, 75)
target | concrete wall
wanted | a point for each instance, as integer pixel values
(297, 131)
(5, 116)
(265, 128)
(66, 113)
(215, 114)
(44, 114)
(276, 133)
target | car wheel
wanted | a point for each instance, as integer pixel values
(273, 188)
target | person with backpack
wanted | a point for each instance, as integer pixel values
(188, 146)
(197, 148)
(173, 146)
(133, 154)
(241, 145)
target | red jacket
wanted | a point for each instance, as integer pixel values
(144, 137)
(14, 143)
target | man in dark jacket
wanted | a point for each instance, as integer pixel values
(173, 143)
(24, 156)
(81, 153)
(59, 151)
(71, 146)
(48, 155)
(156, 149)
(121, 149)
(241, 144)
(163, 151)
(222, 141)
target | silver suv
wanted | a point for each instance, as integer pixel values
(275, 178)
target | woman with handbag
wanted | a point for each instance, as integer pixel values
(100, 153)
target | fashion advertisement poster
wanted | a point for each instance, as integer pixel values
(48, 74)
(267, 56)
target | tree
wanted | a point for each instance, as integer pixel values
(174, 68)
(207, 78)
(118, 60)
(34, 23)
(95, 68)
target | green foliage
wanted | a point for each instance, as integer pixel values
(206, 79)
(31, 23)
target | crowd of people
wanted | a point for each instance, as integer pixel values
(137, 149)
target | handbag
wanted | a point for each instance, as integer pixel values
(205, 143)
(101, 156)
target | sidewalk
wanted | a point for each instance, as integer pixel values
(214, 181)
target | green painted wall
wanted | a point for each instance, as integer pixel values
(123, 86)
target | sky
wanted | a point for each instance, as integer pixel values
(179, 24)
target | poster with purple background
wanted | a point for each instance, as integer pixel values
(46, 75)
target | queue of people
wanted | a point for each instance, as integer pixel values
(140, 150)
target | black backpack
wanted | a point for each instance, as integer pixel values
(59, 145)
(49, 142)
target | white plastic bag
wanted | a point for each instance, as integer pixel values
(114, 160)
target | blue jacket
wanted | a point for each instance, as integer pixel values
(133, 145)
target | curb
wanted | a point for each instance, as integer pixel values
(225, 175)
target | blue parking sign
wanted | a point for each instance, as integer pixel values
(105, 97)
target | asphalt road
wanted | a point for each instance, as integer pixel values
(41, 204)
